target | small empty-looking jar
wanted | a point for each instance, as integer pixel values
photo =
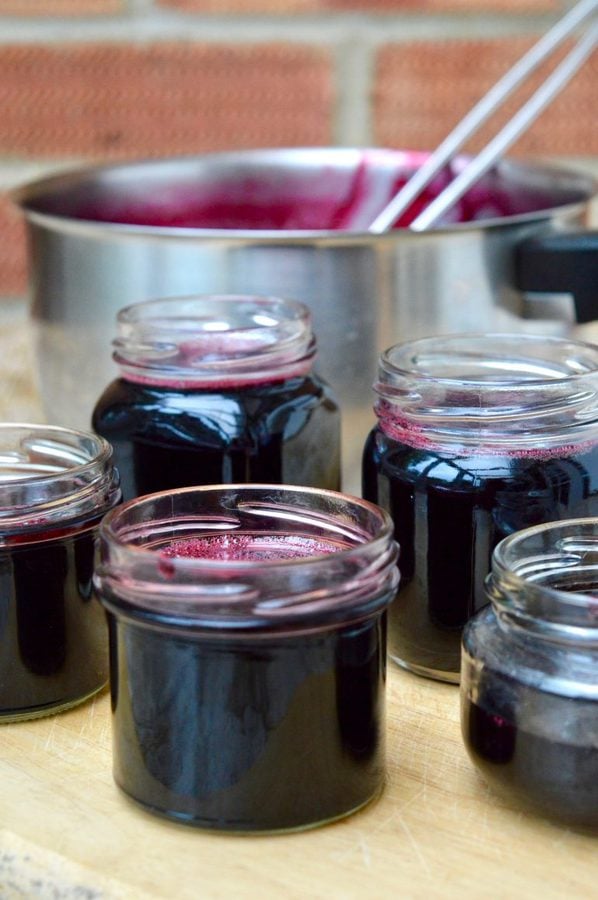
(55, 486)
(248, 653)
(529, 687)
(218, 390)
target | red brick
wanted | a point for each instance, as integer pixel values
(442, 6)
(59, 7)
(123, 100)
(423, 89)
(13, 264)
(252, 7)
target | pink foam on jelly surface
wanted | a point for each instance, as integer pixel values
(403, 431)
(195, 356)
(244, 547)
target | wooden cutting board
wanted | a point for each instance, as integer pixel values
(436, 831)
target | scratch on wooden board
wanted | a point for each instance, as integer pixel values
(381, 825)
(49, 742)
(397, 812)
(365, 852)
(361, 848)
(55, 747)
(418, 795)
(424, 779)
(415, 845)
(91, 710)
(87, 728)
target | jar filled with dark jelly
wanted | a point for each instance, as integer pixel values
(529, 687)
(216, 390)
(55, 486)
(248, 647)
(478, 436)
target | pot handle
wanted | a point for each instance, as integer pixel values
(562, 262)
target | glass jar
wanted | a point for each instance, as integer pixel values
(55, 486)
(529, 694)
(478, 436)
(248, 647)
(216, 390)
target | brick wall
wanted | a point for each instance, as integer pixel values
(93, 80)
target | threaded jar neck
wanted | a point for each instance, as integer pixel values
(214, 341)
(50, 476)
(494, 393)
(247, 557)
(544, 582)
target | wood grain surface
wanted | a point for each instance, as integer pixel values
(436, 831)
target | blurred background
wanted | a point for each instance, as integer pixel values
(92, 80)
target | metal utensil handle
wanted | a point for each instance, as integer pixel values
(481, 111)
(509, 134)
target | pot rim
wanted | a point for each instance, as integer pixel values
(30, 196)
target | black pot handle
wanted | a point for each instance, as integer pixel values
(562, 262)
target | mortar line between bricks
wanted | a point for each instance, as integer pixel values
(142, 6)
(332, 30)
(353, 72)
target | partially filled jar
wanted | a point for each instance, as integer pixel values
(248, 653)
(55, 486)
(478, 436)
(529, 694)
(218, 389)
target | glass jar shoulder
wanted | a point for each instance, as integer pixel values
(423, 465)
(512, 657)
(127, 408)
(384, 450)
(474, 465)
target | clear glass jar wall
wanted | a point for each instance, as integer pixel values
(55, 486)
(248, 652)
(478, 436)
(529, 694)
(218, 389)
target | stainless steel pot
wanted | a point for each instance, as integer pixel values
(283, 222)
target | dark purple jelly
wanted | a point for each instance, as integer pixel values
(450, 509)
(165, 437)
(554, 776)
(53, 641)
(259, 734)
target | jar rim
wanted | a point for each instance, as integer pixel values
(85, 483)
(485, 393)
(263, 593)
(390, 367)
(202, 339)
(529, 568)
(103, 454)
(107, 526)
